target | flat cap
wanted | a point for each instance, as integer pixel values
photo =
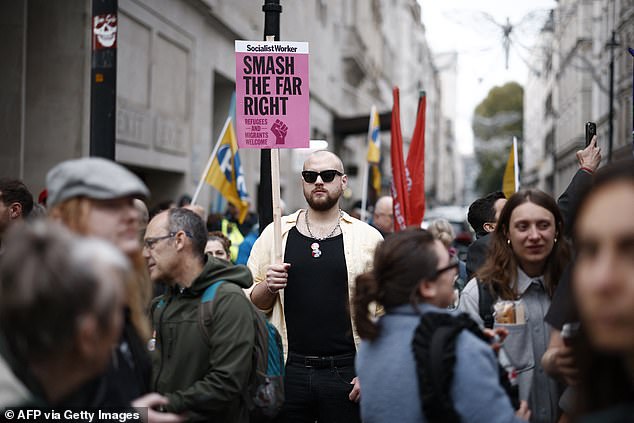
(92, 177)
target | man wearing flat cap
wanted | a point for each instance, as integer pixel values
(95, 197)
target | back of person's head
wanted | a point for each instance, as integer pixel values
(180, 219)
(13, 191)
(50, 282)
(401, 262)
(482, 211)
(500, 268)
(442, 230)
(214, 222)
(184, 200)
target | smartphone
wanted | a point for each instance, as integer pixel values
(591, 131)
(569, 332)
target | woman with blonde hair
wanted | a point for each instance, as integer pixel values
(442, 230)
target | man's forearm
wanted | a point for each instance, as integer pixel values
(262, 297)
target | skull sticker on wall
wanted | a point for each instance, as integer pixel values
(104, 31)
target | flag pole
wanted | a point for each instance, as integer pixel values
(366, 168)
(364, 194)
(210, 161)
(516, 167)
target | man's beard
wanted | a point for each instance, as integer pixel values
(321, 204)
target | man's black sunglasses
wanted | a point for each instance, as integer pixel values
(310, 176)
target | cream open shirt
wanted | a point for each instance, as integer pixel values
(359, 243)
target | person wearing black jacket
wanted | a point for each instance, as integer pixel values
(558, 358)
(483, 216)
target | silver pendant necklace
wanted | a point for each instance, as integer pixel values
(315, 251)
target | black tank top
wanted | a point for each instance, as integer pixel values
(316, 304)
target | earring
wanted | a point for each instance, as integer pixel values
(508, 241)
(555, 240)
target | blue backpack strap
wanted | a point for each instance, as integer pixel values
(210, 292)
(205, 309)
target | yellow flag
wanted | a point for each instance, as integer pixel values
(376, 178)
(510, 182)
(225, 173)
(374, 141)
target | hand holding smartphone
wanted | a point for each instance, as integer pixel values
(591, 131)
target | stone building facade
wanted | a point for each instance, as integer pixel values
(578, 40)
(175, 78)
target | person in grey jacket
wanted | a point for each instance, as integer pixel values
(528, 255)
(412, 265)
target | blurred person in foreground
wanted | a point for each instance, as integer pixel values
(61, 309)
(412, 276)
(95, 197)
(528, 253)
(603, 286)
(558, 360)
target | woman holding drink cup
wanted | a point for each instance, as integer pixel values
(526, 258)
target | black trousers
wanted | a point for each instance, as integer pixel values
(319, 394)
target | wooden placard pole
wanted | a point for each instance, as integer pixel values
(277, 212)
(275, 191)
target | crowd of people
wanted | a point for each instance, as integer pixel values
(106, 305)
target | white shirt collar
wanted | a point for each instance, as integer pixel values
(524, 281)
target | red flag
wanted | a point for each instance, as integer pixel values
(399, 181)
(416, 167)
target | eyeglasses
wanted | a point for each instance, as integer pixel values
(310, 176)
(149, 243)
(453, 264)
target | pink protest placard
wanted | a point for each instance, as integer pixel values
(272, 94)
